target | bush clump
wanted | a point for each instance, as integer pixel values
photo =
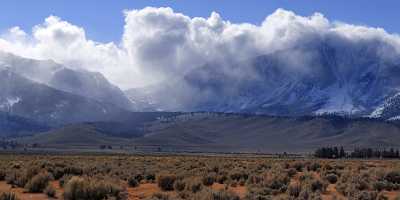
(63, 180)
(91, 188)
(318, 185)
(393, 177)
(179, 185)
(16, 179)
(331, 178)
(367, 195)
(313, 166)
(294, 190)
(160, 196)
(208, 194)
(298, 166)
(291, 172)
(50, 191)
(277, 181)
(382, 185)
(208, 180)
(38, 183)
(2, 175)
(166, 182)
(132, 182)
(150, 177)
(8, 196)
(194, 185)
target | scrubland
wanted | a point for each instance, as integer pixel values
(120, 177)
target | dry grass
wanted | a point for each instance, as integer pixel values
(186, 177)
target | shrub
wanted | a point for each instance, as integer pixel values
(179, 185)
(150, 177)
(63, 180)
(362, 184)
(90, 188)
(237, 175)
(298, 166)
(393, 177)
(306, 177)
(381, 185)
(318, 185)
(132, 182)
(382, 196)
(194, 185)
(50, 191)
(221, 179)
(208, 194)
(254, 179)
(160, 196)
(138, 177)
(166, 182)
(365, 195)
(2, 175)
(313, 166)
(291, 172)
(305, 194)
(8, 196)
(277, 181)
(258, 192)
(208, 180)
(38, 183)
(57, 172)
(16, 179)
(331, 178)
(72, 170)
(224, 195)
(294, 190)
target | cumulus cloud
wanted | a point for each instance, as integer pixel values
(158, 43)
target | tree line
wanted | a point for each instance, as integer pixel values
(339, 152)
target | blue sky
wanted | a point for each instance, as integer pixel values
(104, 21)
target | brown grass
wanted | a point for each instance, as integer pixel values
(198, 177)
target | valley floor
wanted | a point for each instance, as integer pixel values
(135, 177)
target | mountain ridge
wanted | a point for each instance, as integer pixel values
(354, 82)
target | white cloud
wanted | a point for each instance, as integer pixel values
(159, 43)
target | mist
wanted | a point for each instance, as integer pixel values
(193, 60)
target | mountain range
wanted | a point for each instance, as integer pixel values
(331, 96)
(354, 81)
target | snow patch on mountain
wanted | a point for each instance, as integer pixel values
(377, 112)
(339, 102)
(394, 118)
(8, 103)
(389, 109)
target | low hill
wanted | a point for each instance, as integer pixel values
(271, 134)
(214, 132)
(75, 136)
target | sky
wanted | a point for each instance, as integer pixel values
(138, 43)
(104, 20)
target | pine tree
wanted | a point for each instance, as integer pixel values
(342, 153)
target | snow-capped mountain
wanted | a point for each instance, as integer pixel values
(23, 97)
(318, 77)
(325, 77)
(77, 81)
